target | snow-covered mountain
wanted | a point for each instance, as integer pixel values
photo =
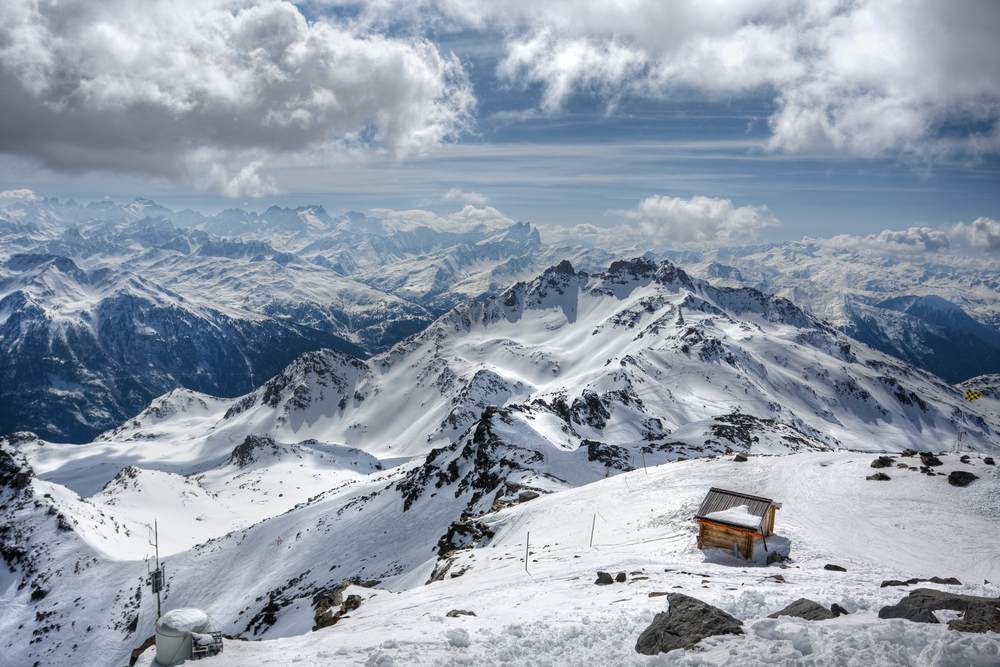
(92, 298)
(81, 349)
(937, 310)
(389, 469)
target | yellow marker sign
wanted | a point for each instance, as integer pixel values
(973, 395)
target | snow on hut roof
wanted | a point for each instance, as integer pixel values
(721, 505)
(183, 620)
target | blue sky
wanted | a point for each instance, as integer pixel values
(550, 118)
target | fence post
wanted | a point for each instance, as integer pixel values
(593, 522)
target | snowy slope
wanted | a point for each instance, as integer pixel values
(639, 356)
(386, 470)
(904, 528)
(937, 310)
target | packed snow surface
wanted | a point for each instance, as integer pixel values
(915, 526)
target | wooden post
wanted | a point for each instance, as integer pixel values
(643, 454)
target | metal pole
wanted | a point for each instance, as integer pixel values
(156, 539)
(593, 522)
(527, 541)
(643, 460)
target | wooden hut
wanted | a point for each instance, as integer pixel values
(734, 521)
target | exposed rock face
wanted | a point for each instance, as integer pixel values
(961, 478)
(684, 624)
(805, 608)
(879, 477)
(330, 605)
(920, 604)
(252, 449)
(882, 462)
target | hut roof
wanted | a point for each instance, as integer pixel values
(715, 505)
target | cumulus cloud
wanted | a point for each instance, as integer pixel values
(457, 194)
(980, 235)
(22, 194)
(698, 219)
(156, 86)
(866, 78)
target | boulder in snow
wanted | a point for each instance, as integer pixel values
(989, 461)
(834, 568)
(929, 459)
(882, 462)
(961, 478)
(978, 617)
(603, 579)
(879, 477)
(686, 622)
(947, 581)
(805, 608)
(919, 606)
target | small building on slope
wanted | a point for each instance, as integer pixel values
(735, 521)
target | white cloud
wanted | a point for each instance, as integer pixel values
(152, 86)
(866, 77)
(459, 221)
(699, 219)
(457, 194)
(22, 194)
(980, 235)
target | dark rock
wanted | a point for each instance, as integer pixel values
(978, 617)
(455, 613)
(838, 610)
(920, 604)
(603, 579)
(965, 458)
(685, 623)
(776, 557)
(879, 477)
(657, 594)
(929, 459)
(805, 608)
(961, 478)
(882, 462)
(908, 452)
(526, 495)
(740, 458)
(834, 568)
(989, 461)
(620, 577)
(948, 581)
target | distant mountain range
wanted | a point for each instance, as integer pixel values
(104, 306)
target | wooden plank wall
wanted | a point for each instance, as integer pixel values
(711, 536)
